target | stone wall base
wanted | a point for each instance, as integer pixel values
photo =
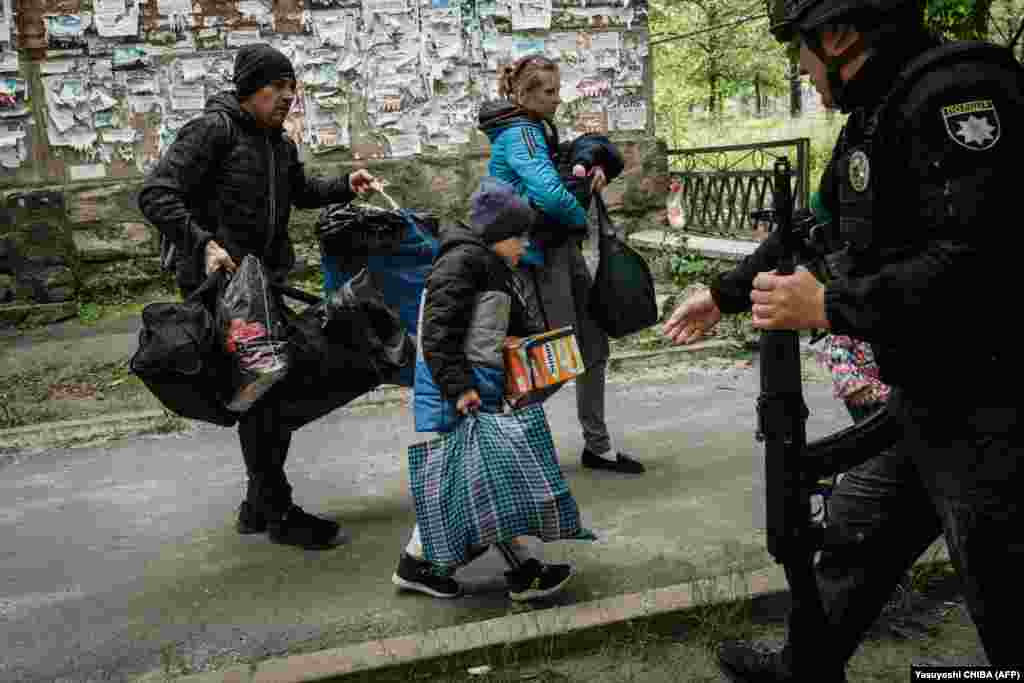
(89, 242)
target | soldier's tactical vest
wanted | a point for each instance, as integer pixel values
(854, 169)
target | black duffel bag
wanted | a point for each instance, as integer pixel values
(340, 349)
(179, 359)
(622, 299)
(353, 330)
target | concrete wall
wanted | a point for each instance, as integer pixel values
(92, 91)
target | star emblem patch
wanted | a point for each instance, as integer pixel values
(974, 125)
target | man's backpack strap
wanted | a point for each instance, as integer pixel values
(168, 250)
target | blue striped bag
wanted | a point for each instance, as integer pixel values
(492, 478)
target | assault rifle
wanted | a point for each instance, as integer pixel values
(792, 466)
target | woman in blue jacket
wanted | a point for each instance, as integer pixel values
(524, 144)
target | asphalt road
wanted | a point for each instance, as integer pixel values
(121, 559)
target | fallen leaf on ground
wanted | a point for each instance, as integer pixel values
(74, 391)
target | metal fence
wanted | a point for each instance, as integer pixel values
(722, 185)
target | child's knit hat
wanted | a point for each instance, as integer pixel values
(497, 212)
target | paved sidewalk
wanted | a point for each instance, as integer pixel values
(122, 558)
(86, 521)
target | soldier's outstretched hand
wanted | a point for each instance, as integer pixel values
(692, 319)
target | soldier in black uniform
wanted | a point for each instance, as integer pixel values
(922, 186)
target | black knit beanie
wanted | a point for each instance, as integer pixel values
(259, 65)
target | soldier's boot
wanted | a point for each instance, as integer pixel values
(751, 661)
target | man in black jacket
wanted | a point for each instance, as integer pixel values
(224, 189)
(920, 183)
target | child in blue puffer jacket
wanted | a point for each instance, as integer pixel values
(473, 302)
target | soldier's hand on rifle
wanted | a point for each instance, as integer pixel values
(789, 302)
(217, 258)
(692, 319)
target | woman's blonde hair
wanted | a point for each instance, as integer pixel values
(515, 80)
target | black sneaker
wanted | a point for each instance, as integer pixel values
(534, 580)
(746, 661)
(426, 577)
(250, 521)
(299, 528)
(622, 463)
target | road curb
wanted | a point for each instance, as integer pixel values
(396, 658)
(47, 434)
(659, 357)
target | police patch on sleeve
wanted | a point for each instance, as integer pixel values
(974, 125)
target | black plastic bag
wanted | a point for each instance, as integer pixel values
(358, 318)
(622, 299)
(180, 360)
(356, 228)
(254, 332)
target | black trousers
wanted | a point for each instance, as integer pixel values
(959, 472)
(265, 430)
(265, 442)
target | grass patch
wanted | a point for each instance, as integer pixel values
(122, 304)
(170, 424)
(932, 629)
(56, 391)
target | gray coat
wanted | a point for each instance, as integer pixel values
(563, 284)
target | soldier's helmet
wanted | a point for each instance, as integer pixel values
(789, 18)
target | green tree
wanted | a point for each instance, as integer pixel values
(706, 51)
(1006, 24)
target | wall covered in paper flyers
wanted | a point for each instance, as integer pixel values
(93, 89)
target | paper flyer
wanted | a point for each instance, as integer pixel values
(191, 97)
(628, 114)
(119, 135)
(332, 28)
(404, 145)
(386, 6)
(412, 71)
(526, 45)
(493, 8)
(129, 57)
(241, 37)
(530, 14)
(105, 119)
(8, 61)
(114, 20)
(172, 7)
(5, 21)
(66, 31)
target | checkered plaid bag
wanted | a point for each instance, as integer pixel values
(492, 478)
